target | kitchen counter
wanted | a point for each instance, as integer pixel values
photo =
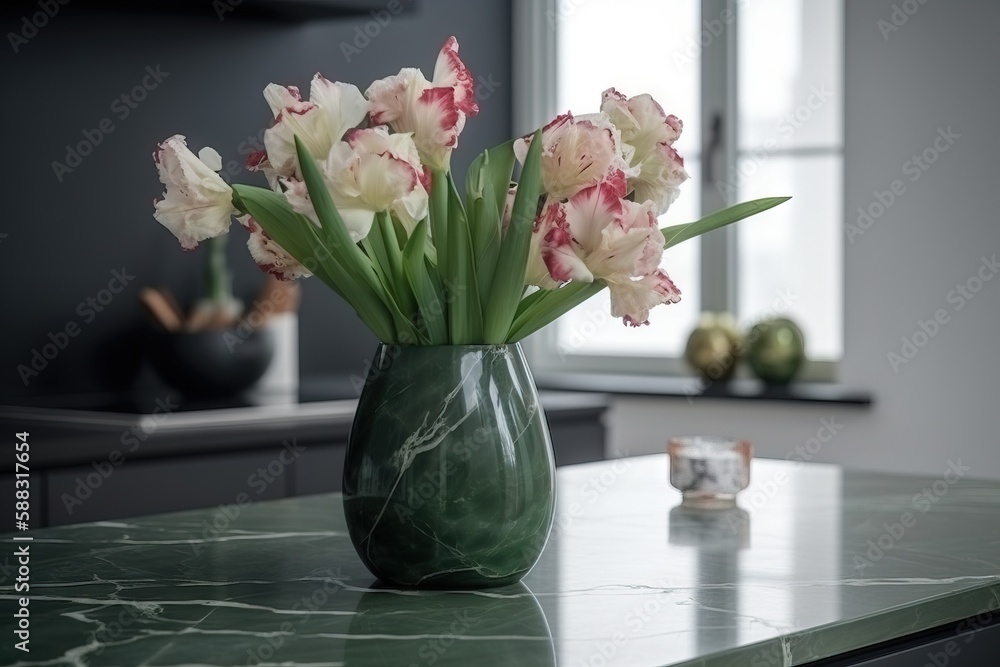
(77, 430)
(815, 562)
(97, 457)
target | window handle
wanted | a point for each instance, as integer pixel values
(714, 146)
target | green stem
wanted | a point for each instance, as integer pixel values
(220, 281)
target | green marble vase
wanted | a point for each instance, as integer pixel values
(448, 479)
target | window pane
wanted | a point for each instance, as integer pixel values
(662, 58)
(791, 257)
(656, 51)
(790, 74)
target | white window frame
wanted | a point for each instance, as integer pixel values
(534, 26)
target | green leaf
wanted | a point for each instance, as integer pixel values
(391, 242)
(485, 226)
(344, 250)
(508, 281)
(490, 173)
(552, 305)
(485, 215)
(498, 173)
(680, 233)
(430, 301)
(382, 248)
(438, 212)
(298, 236)
(465, 317)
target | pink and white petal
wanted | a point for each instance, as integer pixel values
(661, 177)
(192, 225)
(615, 105)
(578, 155)
(633, 299)
(450, 71)
(210, 158)
(257, 161)
(536, 273)
(641, 218)
(358, 221)
(297, 195)
(280, 98)
(197, 203)
(344, 107)
(550, 133)
(436, 124)
(521, 145)
(558, 249)
(653, 125)
(270, 256)
(390, 97)
(590, 211)
(411, 208)
(383, 179)
(619, 253)
(309, 124)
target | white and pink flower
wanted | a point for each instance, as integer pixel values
(197, 204)
(598, 235)
(578, 153)
(270, 256)
(651, 133)
(333, 108)
(433, 111)
(632, 300)
(370, 172)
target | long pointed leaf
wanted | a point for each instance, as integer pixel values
(680, 233)
(499, 169)
(438, 211)
(465, 317)
(508, 281)
(430, 302)
(299, 237)
(553, 305)
(391, 243)
(342, 247)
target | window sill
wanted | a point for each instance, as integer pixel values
(690, 387)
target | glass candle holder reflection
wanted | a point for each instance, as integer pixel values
(709, 471)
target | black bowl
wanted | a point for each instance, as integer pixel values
(215, 363)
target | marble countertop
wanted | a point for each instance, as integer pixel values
(815, 562)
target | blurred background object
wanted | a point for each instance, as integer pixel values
(714, 347)
(775, 350)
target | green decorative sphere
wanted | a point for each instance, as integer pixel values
(776, 350)
(714, 347)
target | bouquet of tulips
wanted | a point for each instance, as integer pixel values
(361, 196)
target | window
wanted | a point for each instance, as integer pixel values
(758, 84)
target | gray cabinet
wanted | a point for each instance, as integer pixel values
(153, 486)
(82, 470)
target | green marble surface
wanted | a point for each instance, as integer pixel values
(816, 561)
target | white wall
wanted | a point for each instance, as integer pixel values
(938, 70)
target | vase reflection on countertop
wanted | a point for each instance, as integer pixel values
(710, 529)
(718, 535)
(449, 628)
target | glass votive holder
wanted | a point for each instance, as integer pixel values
(709, 471)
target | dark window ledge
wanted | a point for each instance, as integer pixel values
(689, 387)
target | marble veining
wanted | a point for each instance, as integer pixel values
(628, 578)
(464, 500)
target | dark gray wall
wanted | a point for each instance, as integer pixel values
(64, 238)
